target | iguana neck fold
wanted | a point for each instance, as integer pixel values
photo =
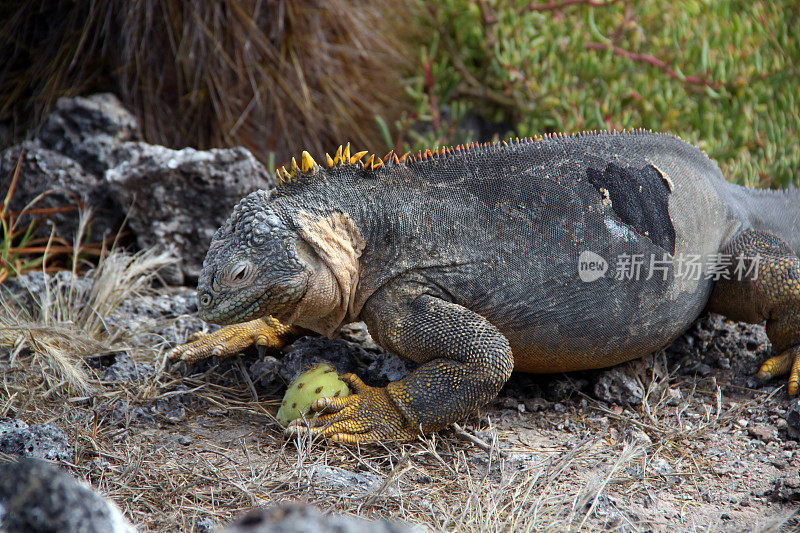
(338, 243)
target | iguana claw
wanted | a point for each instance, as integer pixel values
(787, 362)
(263, 332)
(367, 415)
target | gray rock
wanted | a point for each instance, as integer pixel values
(347, 483)
(619, 385)
(272, 374)
(387, 368)
(358, 333)
(730, 351)
(44, 441)
(169, 409)
(765, 432)
(124, 414)
(99, 465)
(290, 517)
(607, 509)
(376, 369)
(309, 351)
(120, 366)
(559, 389)
(534, 405)
(66, 184)
(784, 489)
(27, 288)
(35, 496)
(78, 142)
(184, 440)
(89, 130)
(176, 199)
(165, 318)
(793, 419)
(204, 525)
(661, 466)
(638, 437)
(175, 415)
(171, 304)
(266, 373)
(179, 399)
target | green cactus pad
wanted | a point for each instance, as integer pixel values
(318, 382)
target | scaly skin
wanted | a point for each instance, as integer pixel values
(773, 297)
(466, 260)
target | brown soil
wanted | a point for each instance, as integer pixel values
(684, 440)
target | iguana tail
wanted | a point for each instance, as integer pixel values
(777, 212)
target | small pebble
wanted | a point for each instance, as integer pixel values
(661, 466)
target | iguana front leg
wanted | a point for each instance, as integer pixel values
(264, 333)
(466, 361)
(772, 295)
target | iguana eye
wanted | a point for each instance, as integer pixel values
(239, 274)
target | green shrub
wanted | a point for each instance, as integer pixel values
(724, 75)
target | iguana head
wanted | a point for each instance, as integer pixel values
(254, 266)
(282, 260)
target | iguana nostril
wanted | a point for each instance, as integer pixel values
(204, 299)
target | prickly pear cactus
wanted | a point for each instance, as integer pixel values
(318, 382)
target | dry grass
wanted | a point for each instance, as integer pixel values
(235, 462)
(271, 75)
(24, 243)
(51, 331)
(585, 469)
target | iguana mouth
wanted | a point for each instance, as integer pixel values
(289, 315)
(285, 314)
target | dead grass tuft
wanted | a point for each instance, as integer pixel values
(270, 75)
(26, 246)
(53, 327)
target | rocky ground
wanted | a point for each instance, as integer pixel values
(684, 440)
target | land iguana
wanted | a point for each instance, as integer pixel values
(551, 254)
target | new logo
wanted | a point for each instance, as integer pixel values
(591, 266)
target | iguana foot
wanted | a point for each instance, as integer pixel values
(787, 362)
(369, 414)
(263, 333)
(769, 291)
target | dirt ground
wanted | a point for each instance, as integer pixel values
(684, 440)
